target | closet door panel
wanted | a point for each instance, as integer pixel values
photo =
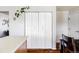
(34, 38)
(32, 29)
(48, 30)
(38, 30)
(28, 24)
(45, 29)
(34, 23)
(42, 29)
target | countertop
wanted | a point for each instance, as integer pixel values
(9, 44)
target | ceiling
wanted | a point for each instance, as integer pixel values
(69, 8)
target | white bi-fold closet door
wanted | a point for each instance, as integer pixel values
(39, 29)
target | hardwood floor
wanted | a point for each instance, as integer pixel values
(38, 51)
(23, 49)
(42, 51)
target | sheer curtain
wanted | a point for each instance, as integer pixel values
(38, 29)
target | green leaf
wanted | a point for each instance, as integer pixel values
(22, 8)
(18, 15)
(22, 11)
(17, 10)
(15, 14)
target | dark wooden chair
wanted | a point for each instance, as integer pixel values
(67, 44)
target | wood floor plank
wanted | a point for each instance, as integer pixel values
(23, 49)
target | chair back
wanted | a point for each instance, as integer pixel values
(67, 44)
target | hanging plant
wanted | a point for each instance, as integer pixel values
(21, 11)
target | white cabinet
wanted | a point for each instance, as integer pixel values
(39, 29)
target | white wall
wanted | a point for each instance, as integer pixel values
(62, 24)
(54, 27)
(42, 8)
(16, 27)
(74, 24)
